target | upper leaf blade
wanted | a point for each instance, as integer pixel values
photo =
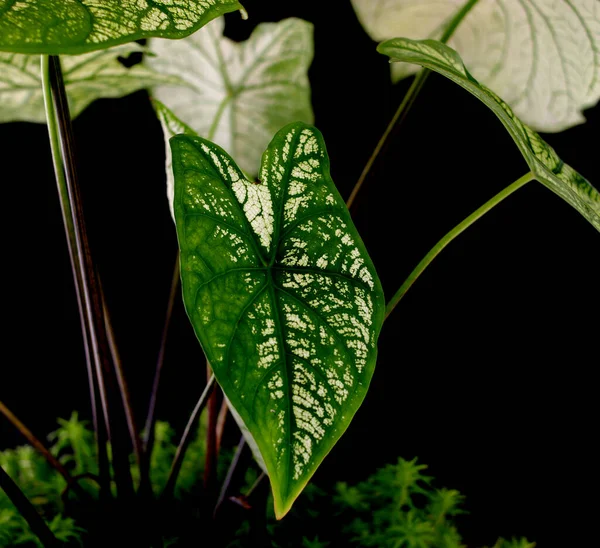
(239, 95)
(282, 295)
(78, 26)
(543, 161)
(542, 57)
(87, 77)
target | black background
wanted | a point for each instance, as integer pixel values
(485, 369)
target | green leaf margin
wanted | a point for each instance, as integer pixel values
(55, 27)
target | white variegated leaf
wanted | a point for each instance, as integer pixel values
(238, 95)
(87, 77)
(541, 56)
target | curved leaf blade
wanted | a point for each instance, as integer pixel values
(239, 95)
(543, 161)
(171, 126)
(87, 77)
(78, 26)
(282, 295)
(542, 57)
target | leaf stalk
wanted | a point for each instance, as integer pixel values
(457, 230)
(407, 103)
(65, 172)
(40, 447)
(86, 278)
(186, 438)
(28, 511)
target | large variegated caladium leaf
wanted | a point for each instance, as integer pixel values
(238, 95)
(282, 295)
(541, 56)
(543, 161)
(87, 77)
(79, 26)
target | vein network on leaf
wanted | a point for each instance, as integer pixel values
(282, 294)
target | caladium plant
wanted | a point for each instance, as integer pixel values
(277, 283)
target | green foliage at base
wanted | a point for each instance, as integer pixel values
(396, 507)
(44, 487)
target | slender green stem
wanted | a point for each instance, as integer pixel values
(258, 481)
(58, 150)
(28, 511)
(186, 438)
(407, 102)
(458, 229)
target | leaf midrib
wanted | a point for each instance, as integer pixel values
(234, 91)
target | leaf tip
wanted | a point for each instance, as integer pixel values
(284, 504)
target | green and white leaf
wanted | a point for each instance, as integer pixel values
(543, 161)
(171, 126)
(239, 95)
(541, 56)
(87, 77)
(282, 295)
(78, 26)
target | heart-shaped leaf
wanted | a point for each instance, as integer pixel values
(238, 95)
(78, 26)
(87, 77)
(541, 56)
(282, 295)
(543, 161)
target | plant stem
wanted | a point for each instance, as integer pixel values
(65, 173)
(223, 412)
(399, 116)
(37, 444)
(27, 510)
(259, 479)
(186, 438)
(123, 387)
(232, 468)
(407, 102)
(458, 229)
(148, 438)
(210, 461)
(85, 275)
(149, 428)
